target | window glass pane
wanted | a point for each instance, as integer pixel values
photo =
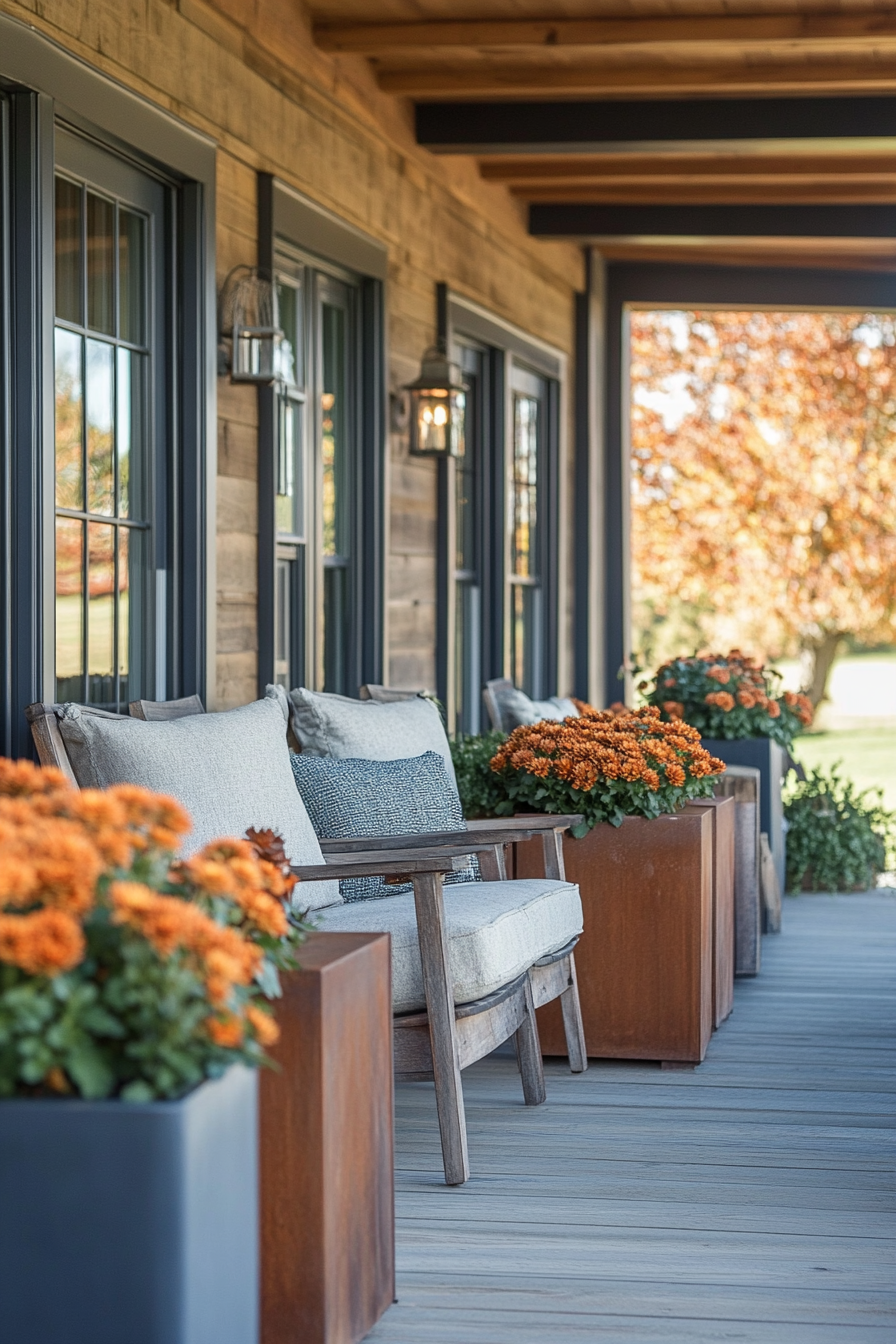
(465, 504)
(525, 638)
(69, 609)
(68, 250)
(289, 357)
(132, 434)
(100, 461)
(132, 276)
(125, 537)
(525, 485)
(335, 631)
(333, 430)
(101, 613)
(69, 408)
(100, 264)
(290, 502)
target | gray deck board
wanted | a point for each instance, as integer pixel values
(753, 1199)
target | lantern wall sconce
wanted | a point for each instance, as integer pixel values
(248, 321)
(437, 404)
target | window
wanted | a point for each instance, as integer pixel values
(525, 573)
(316, 476)
(107, 390)
(109, 264)
(467, 489)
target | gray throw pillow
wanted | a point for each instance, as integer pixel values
(517, 709)
(230, 771)
(348, 799)
(335, 725)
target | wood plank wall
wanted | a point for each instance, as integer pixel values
(246, 73)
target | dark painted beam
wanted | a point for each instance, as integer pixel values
(483, 128)
(713, 221)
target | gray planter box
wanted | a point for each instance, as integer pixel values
(769, 758)
(131, 1224)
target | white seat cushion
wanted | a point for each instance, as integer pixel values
(496, 931)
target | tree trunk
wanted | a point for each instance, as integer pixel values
(824, 651)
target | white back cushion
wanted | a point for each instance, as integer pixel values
(368, 730)
(230, 771)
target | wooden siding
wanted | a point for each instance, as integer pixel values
(750, 1199)
(246, 72)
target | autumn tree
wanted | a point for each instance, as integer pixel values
(763, 482)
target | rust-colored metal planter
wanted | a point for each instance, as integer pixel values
(722, 816)
(326, 1131)
(644, 961)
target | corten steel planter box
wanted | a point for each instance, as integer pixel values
(644, 961)
(768, 758)
(131, 1224)
(742, 784)
(722, 815)
(326, 1130)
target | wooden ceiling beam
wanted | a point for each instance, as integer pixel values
(661, 125)
(578, 220)
(378, 39)
(647, 80)
(519, 171)
(785, 190)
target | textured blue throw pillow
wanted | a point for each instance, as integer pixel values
(347, 799)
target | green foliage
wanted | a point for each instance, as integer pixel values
(481, 791)
(124, 1022)
(838, 838)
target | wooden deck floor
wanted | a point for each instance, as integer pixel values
(749, 1200)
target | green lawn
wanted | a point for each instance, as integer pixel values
(868, 756)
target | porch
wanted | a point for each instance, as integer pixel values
(749, 1199)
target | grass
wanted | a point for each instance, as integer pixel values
(868, 756)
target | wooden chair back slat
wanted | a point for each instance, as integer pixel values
(160, 711)
(490, 694)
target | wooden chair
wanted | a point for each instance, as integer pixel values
(490, 695)
(437, 1043)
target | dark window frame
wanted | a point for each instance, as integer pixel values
(459, 320)
(41, 83)
(284, 215)
(664, 285)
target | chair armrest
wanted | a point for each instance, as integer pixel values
(479, 836)
(381, 864)
(535, 822)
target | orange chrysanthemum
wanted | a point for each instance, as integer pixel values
(43, 942)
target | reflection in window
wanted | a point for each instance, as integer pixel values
(525, 592)
(102, 448)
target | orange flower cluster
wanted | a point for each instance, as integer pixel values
(65, 852)
(801, 706)
(721, 699)
(602, 744)
(221, 955)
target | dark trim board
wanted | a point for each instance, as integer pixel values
(712, 221)
(642, 284)
(43, 85)
(576, 126)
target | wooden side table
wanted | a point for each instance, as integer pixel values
(326, 1147)
(722, 815)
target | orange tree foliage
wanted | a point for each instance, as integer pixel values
(764, 479)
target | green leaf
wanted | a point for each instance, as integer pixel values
(89, 1070)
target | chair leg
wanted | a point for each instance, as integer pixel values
(528, 1053)
(438, 988)
(572, 1021)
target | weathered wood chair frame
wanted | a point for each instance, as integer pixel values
(436, 1044)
